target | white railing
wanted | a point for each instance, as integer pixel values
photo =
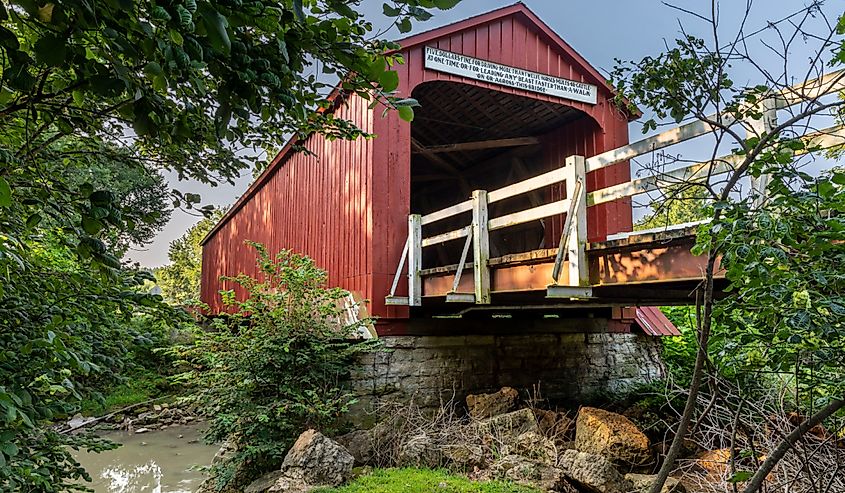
(572, 245)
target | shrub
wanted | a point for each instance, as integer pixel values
(275, 366)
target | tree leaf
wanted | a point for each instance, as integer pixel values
(51, 50)
(91, 225)
(5, 193)
(445, 4)
(406, 113)
(740, 476)
(389, 80)
(404, 25)
(215, 27)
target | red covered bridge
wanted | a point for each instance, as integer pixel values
(515, 170)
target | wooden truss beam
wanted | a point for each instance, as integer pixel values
(478, 145)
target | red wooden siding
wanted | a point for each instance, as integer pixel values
(348, 206)
(317, 205)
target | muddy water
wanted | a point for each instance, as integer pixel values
(163, 461)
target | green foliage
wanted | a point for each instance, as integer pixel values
(62, 336)
(679, 352)
(423, 481)
(140, 386)
(785, 267)
(275, 366)
(180, 279)
(96, 100)
(676, 206)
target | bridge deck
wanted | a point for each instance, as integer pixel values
(648, 268)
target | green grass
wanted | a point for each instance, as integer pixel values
(423, 481)
(139, 387)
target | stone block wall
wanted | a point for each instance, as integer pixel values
(569, 367)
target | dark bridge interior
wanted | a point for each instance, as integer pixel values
(465, 138)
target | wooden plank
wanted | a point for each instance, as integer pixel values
(579, 274)
(481, 247)
(414, 260)
(448, 236)
(399, 269)
(551, 209)
(479, 145)
(827, 84)
(812, 89)
(549, 178)
(453, 297)
(664, 139)
(448, 212)
(570, 224)
(686, 174)
(823, 139)
(462, 263)
(557, 291)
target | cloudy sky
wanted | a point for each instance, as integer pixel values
(600, 30)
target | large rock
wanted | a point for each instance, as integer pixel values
(535, 446)
(264, 483)
(593, 472)
(317, 460)
(642, 483)
(507, 426)
(465, 456)
(612, 435)
(360, 445)
(370, 447)
(522, 470)
(555, 425)
(419, 451)
(482, 406)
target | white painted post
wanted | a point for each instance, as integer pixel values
(756, 128)
(480, 247)
(414, 260)
(579, 274)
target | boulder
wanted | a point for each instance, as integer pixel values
(593, 472)
(419, 451)
(264, 483)
(317, 460)
(557, 426)
(359, 444)
(482, 406)
(612, 435)
(507, 426)
(715, 462)
(642, 483)
(533, 445)
(465, 456)
(366, 446)
(226, 450)
(522, 470)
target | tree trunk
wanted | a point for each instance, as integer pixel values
(695, 385)
(772, 460)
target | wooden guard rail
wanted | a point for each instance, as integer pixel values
(573, 175)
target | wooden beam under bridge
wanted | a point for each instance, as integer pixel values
(478, 145)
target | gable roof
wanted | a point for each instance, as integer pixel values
(518, 10)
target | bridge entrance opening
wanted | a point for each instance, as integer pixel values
(466, 138)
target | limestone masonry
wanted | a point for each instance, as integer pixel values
(569, 367)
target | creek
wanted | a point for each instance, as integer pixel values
(160, 461)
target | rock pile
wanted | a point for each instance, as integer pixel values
(598, 452)
(542, 448)
(155, 417)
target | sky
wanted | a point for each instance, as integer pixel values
(600, 30)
